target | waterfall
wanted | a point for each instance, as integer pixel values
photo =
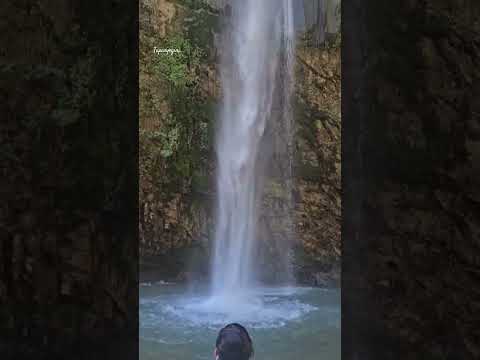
(257, 57)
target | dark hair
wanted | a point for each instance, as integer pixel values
(234, 343)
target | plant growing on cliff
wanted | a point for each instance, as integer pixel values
(174, 97)
(166, 139)
(178, 68)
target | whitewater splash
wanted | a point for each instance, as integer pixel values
(263, 308)
(257, 61)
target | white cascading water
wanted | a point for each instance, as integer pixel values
(256, 68)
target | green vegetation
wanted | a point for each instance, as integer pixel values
(176, 112)
(179, 69)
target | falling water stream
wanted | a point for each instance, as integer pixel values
(286, 322)
(257, 46)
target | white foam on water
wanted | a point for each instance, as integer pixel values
(261, 308)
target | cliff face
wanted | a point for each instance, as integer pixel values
(177, 192)
(318, 170)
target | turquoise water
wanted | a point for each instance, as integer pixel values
(177, 323)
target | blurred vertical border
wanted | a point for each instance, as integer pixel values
(69, 180)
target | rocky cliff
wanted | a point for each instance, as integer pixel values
(178, 103)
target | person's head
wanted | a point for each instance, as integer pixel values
(233, 343)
